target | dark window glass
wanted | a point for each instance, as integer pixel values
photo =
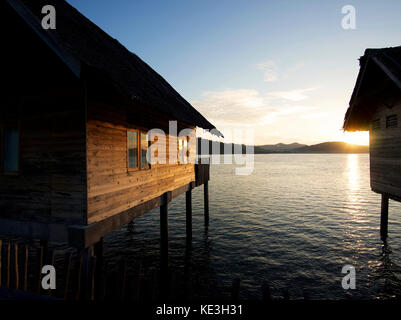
(132, 149)
(144, 149)
(392, 121)
(11, 150)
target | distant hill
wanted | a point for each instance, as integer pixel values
(333, 147)
(278, 148)
(325, 147)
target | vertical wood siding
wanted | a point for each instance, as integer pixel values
(385, 152)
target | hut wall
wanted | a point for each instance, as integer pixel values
(112, 188)
(45, 101)
(385, 151)
(50, 185)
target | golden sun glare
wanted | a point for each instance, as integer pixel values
(359, 137)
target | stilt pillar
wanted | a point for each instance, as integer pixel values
(206, 202)
(45, 245)
(384, 217)
(85, 273)
(98, 250)
(164, 233)
(188, 206)
(164, 274)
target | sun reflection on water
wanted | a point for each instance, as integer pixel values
(356, 215)
(353, 172)
(353, 188)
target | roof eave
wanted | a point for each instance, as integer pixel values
(49, 37)
(389, 73)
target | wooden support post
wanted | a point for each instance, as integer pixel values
(98, 251)
(384, 217)
(8, 264)
(25, 287)
(51, 257)
(16, 269)
(86, 255)
(101, 288)
(164, 234)
(79, 274)
(44, 248)
(40, 265)
(164, 246)
(45, 245)
(206, 202)
(50, 261)
(92, 277)
(188, 206)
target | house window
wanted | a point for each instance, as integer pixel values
(137, 145)
(144, 150)
(132, 146)
(392, 121)
(10, 149)
(183, 149)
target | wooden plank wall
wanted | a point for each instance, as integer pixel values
(44, 98)
(385, 153)
(50, 186)
(111, 187)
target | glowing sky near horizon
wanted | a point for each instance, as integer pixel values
(285, 69)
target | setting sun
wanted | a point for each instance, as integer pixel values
(358, 137)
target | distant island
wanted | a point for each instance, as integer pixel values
(325, 147)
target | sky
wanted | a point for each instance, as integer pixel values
(284, 70)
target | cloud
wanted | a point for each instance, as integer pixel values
(269, 71)
(293, 95)
(232, 106)
(243, 107)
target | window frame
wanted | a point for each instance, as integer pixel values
(139, 150)
(391, 121)
(187, 153)
(137, 153)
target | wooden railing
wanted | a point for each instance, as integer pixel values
(21, 272)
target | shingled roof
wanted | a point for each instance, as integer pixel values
(78, 42)
(380, 71)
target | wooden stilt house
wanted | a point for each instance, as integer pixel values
(74, 124)
(375, 106)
